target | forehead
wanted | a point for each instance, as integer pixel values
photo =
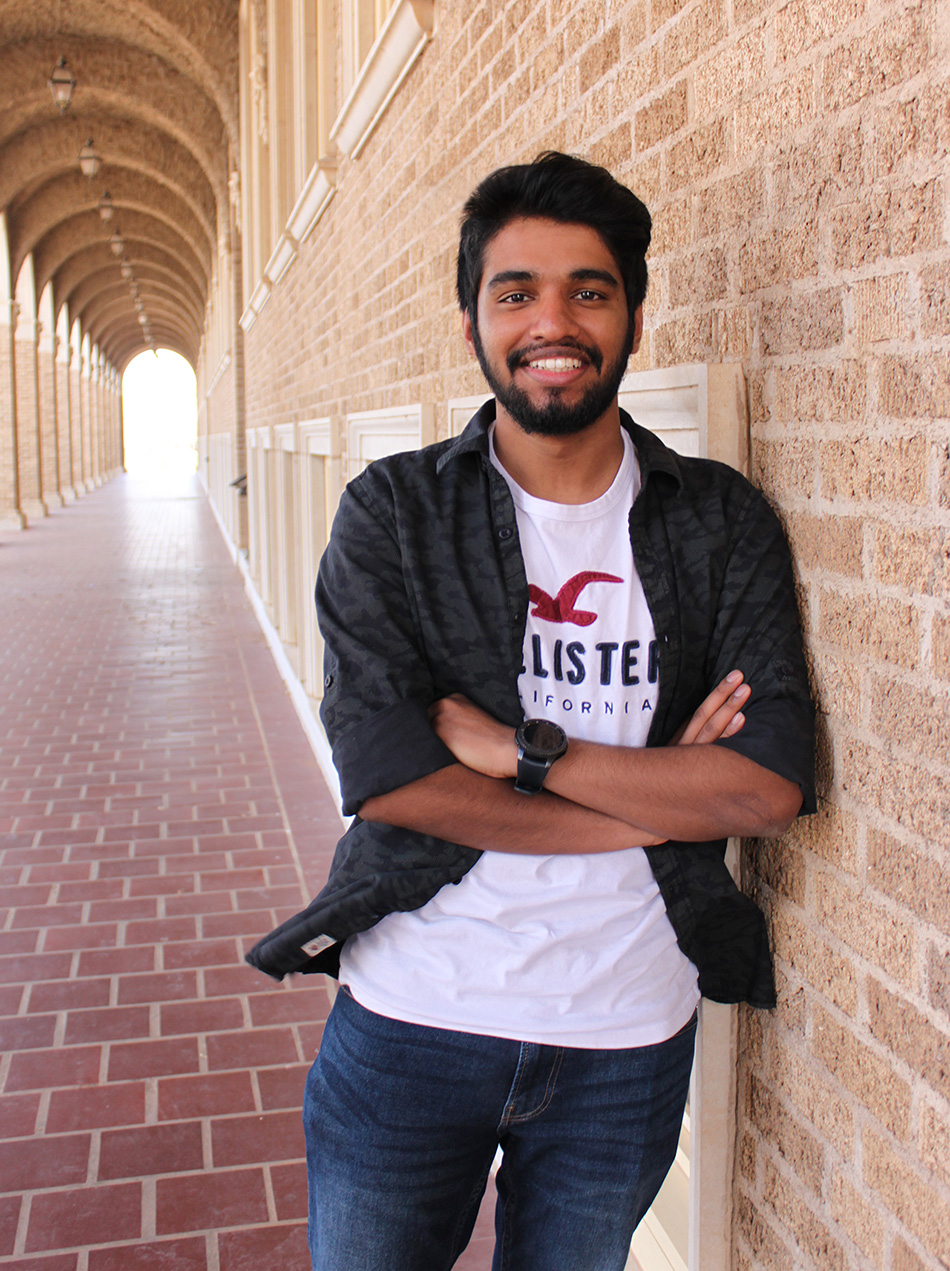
(538, 246)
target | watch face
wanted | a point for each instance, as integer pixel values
(540, 734)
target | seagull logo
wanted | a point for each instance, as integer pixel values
(561, 608)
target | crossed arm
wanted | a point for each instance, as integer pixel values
(597, 798)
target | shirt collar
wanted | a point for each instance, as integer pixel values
(654, 457)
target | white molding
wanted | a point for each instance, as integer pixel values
(392, 429)
(404, 35)
(318, 189)
(284, 437)
(707, 401)
(222, 367)
(259, 298)
(461, 410)
(281, 258)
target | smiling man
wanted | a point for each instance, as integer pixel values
(563, 664)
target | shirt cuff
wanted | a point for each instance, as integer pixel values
(386, 751)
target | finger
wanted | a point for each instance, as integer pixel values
(709, 706)
(716, 725)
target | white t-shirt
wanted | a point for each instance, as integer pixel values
(569, 949)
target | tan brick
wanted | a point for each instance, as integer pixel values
(802, 321)
(913, 558)
(633, 28)
(935, 299)
(825, 542)
(729, 73)
(897, 1023)
(883, 58)
(894, 470)
(938, 979)
(830, 834)
(935, 1141)
(800, 25)
(908, 1194)
(903, 792)
(857, 1216)
(910, 877)
(880, 308)
(670, 227)
(698, 278)
(659, 120)
(800, 1081)
(730, 204)
(871, 1079)
(915, 718)
(773, 258)
(698, 155)
(869, 627)
(684, 340)
(638, 75)
(782, 868)
(664, 10)
(781, 468)
(694, 34)
(940, 646)
(775, 113)
(600, 58)
(733, 333)
(915, 387)
(904, 1258)
(869, 929)
(886, 223)
(820, 392)
(812, 1237)
(814, 961)
(797, 1145)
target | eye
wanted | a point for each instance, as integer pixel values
(589, 294)
(514, 297)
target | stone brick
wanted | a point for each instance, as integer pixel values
(914, 718)
(935, 1141)
(903, 792)
(884, 224)
(905, 1259)
(693, 35)
(858, 1216)
(779, 110)
(814, 961)
(801, 25)
(913, 558)
(935, 299)
(663, 117)
(940, 646)
(802, 321)
(908, 1195)
(893, 470)
(835, 393)
(799, 1078)
(938, 979)
(733, 334)
(730, 204)
(900, 1025)
(730, 71)
(699, 278)
(684, 340)
(772, 259)
(883, 58)
(698, 155)
(783, 468)
(869, 929)
(871, 1079)
(599, 58)
(812, 1237)
(915, 387)
(909, 877)
(825, 542)
(639, 73)
(867, 626)
(797, 1145)
(663, 10)
(830, 834)
(767, 1248)
(671, 228)
(880, 308)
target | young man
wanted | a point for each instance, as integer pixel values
(521, 625)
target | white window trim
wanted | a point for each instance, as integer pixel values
(413, 425)
(404, 34)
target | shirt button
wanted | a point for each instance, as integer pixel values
(505, 532)
(327, 681)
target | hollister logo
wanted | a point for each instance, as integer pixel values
(561, 607)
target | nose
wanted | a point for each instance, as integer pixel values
(552, 317)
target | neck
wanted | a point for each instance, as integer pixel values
(574, 469)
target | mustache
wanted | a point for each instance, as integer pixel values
(518, 357)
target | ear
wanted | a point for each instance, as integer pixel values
(467, 332)
(637, 328)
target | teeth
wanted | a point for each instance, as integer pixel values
(556, 364)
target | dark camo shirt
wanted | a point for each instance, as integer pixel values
(422, 593)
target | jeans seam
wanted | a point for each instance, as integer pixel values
(548, 1091)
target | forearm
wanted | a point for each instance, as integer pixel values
(487, 813)
(691, 793)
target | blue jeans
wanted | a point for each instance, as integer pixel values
(402, 1125)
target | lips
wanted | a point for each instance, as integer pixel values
(555, 358)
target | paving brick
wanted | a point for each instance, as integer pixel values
(151, 1149)
(83, 1216)
(9, 1221)
(95, 1107)
(152, 1058)
(216, 1016)
(284, 1245)
(64, 995)
(212, 1094)
(108, 1024)
(282, 1087)
(95, 936)
(36, 1070)
(59, 1262)
(27, 1033)
(56, 1161)
(154, 1255)
(158, 987)
(234, 1197)
(18, 1115)
(200, 953)
(274, 1136)
(290, 1006)
(251, 1049)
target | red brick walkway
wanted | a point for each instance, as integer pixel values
(159, 809)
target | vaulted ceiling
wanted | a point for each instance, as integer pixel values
(156, 92)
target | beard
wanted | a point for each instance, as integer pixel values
(554, 417)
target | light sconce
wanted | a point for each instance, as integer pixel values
(126, 269)
(117, 243)
(106, 209)
(89, 160)
(143, 319)
(61, 85)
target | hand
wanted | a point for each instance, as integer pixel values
(474, 737)
(720, 715)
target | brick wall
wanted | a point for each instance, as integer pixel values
(794, 157)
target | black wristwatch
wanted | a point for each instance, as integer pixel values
(539, 743)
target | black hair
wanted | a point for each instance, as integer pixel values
(558, 187)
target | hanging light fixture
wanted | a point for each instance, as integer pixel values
(139, 304)
(106, 209)
(89, 160)
(61, 85)
(143, 319)
(117, 243)
(126, 269)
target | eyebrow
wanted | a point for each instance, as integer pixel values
(506, 276)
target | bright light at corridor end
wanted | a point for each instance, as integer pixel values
(160, 416)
